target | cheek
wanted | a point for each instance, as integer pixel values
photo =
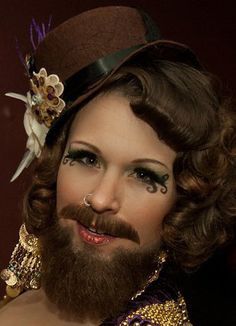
(148, 215)
(69, 189)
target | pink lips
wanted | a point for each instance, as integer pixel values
(92, 237)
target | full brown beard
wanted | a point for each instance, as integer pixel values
(86, 285)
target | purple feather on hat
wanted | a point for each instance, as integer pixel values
(40, 31)
(37, 34)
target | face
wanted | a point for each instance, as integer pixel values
(127, 171)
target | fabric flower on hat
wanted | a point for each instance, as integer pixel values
(43, 105)
(45, 94)
(36, 131)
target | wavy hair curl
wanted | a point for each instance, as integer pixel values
(188, 113)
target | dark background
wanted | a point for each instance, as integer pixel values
(209, 28)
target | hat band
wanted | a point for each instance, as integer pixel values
(80, 81)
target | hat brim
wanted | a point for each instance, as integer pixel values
(164, 50)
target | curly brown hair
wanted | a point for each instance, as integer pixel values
(185, 108)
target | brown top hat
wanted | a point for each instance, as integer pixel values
(87, 49)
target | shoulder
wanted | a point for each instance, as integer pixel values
(13, 311)
(21, 310)
(33, 308)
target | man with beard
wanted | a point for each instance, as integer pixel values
(123, 176)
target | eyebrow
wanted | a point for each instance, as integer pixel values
(94, 148)
(139, 160)
(150, 160)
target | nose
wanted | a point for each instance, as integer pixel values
(105, 197)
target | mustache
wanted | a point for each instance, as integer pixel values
(107, 224)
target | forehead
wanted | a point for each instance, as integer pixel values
(109, 122)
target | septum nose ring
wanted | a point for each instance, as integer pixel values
(85, 200)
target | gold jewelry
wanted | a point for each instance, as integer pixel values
(154, 276)
(170, 313)
(86, 203)
(24, 269)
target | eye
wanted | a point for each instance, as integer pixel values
(81, 156)
(147, 176)
(151, 178)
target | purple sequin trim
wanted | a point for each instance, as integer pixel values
(138, 319)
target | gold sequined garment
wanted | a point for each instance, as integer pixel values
(169, 313)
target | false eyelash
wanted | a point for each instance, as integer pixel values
(160, 179)
(75, 155)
